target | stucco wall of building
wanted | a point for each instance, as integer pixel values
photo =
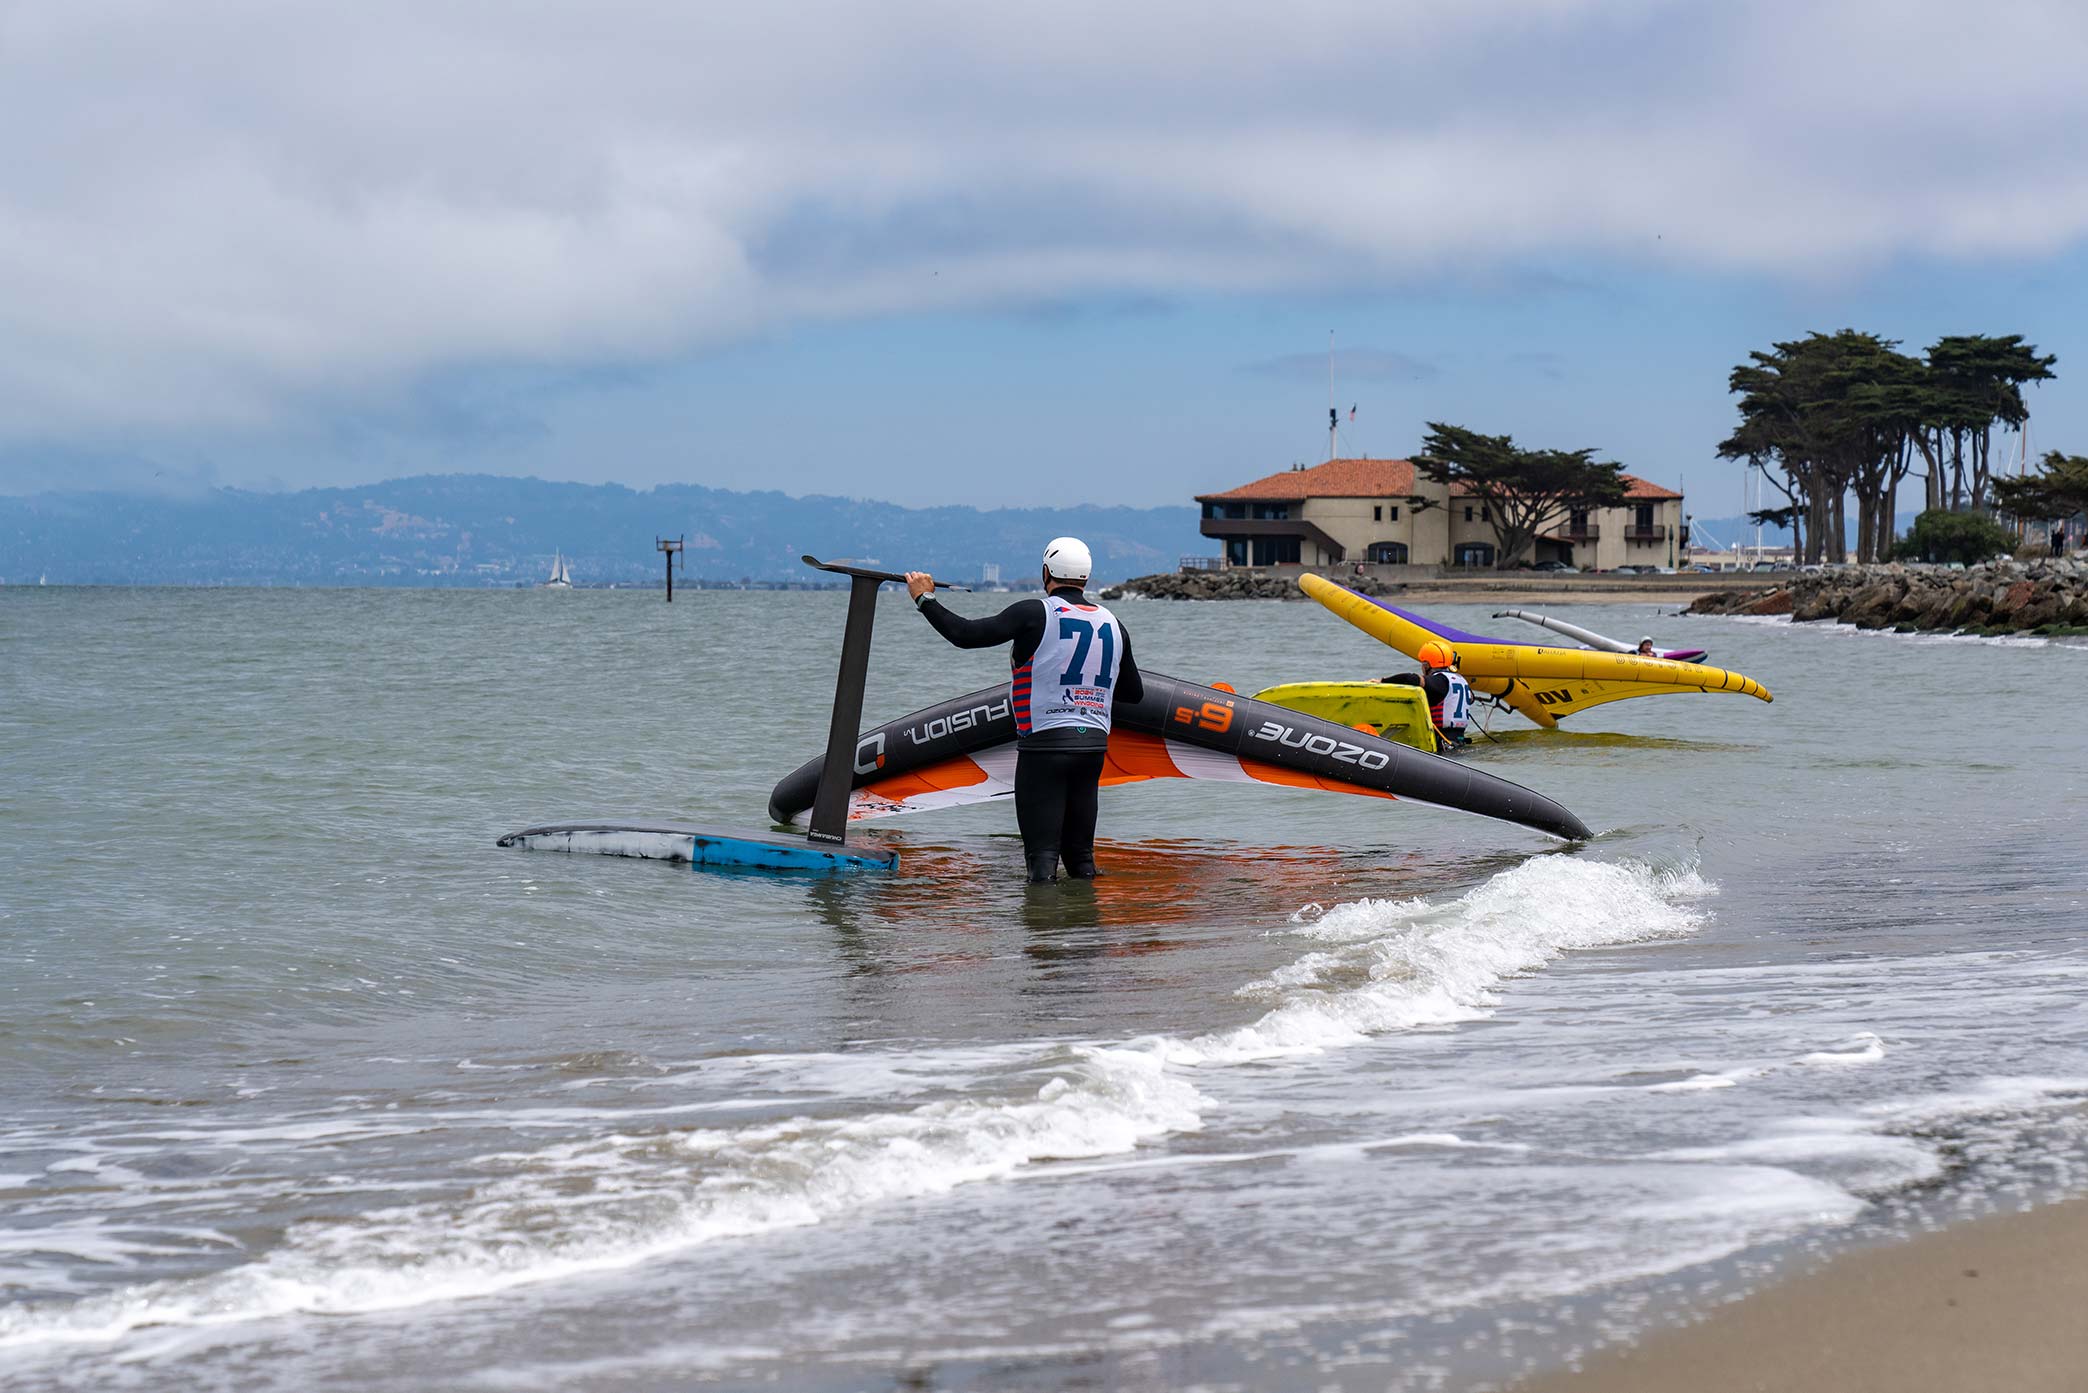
(1360, 523)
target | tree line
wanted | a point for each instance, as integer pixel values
(1832, 417)
(1828, 418)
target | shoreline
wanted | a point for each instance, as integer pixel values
(1993, 598)
(1992, 1303)
(1503, 588)
(1546, 595)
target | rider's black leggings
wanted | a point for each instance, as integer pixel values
(1055, 805)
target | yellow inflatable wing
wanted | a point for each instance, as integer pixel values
(1542, 683)
(1394, 711)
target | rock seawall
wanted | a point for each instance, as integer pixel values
(1999, 597)
(1232, 585)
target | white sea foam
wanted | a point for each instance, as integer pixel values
(1891, 1143)
(1987, 1097)
(1862, 1048)
(1832, 627)
(616, 1198)
(1990, 640)
(644, 1196)
(1757, 1193)
(1696, 1083)
(1858, 1157)
(1399, 964)
(1442, 1139)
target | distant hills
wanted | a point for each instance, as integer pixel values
(485, 530)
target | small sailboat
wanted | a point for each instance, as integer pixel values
(560, 578)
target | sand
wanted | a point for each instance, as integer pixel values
(1999, 1304)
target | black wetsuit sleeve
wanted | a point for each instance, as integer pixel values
(1130, 687)
(1021, 624)
(1436, 687)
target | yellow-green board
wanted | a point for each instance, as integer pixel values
(1393, 710)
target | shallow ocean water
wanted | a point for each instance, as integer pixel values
(306, 1084)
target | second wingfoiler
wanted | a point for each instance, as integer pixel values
(1541, 682)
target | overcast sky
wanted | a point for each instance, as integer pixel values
(987, 253)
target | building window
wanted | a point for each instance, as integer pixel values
(1485, 515)
(1474, 554)
(1388, 553)
(1275, 551)
(1395, 512)
(1645, 517)
(1468, 514)
(1377, 513)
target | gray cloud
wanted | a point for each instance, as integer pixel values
(224, 214)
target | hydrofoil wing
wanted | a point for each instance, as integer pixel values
(963, 751)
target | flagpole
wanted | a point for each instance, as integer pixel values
(1333, 421)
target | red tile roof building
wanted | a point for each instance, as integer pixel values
(1337, 478)
(1380, 511)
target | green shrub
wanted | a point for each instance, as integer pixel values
(1941, 536)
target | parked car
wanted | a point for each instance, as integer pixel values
(1559, 567)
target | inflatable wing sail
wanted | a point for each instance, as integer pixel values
(1542, 683)
(963, 751)
(1595, 640)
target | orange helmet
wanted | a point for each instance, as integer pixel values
(1434, 654)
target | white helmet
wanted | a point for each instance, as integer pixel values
(1067, 558)
(1647, 639)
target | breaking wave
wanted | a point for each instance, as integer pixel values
(618, 1198)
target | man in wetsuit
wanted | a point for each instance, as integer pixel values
(1071, 661)
(1645, 648)
(1449, 695)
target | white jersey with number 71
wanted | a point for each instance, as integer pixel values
(1068, 681)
